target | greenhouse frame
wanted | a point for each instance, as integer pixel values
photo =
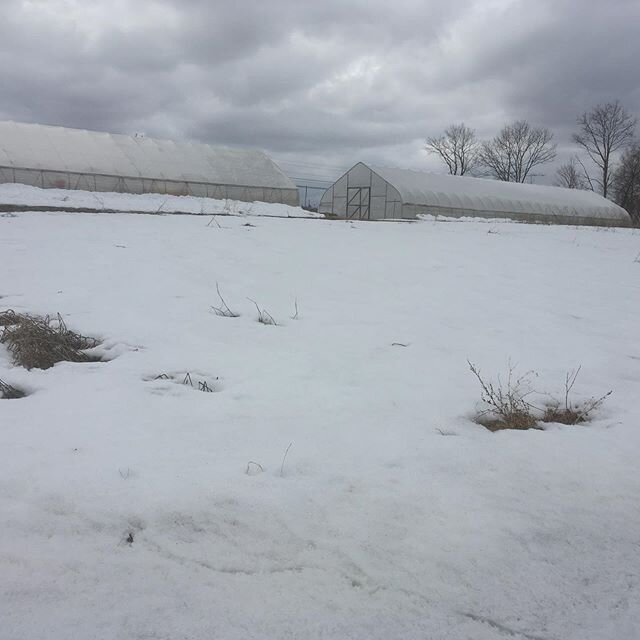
(376, 193)
(62, 158)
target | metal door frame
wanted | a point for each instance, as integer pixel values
(361, 206)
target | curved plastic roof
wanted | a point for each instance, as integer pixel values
(43, 147)
(481, 194)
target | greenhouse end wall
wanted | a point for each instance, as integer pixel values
(361, 194)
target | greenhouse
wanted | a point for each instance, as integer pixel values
(372, 193)
(57, 157)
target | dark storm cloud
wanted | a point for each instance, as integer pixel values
(326, 82)
(580, 53)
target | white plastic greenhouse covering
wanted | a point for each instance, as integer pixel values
(382, 193)
(57, 157)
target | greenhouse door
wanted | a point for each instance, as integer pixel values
(358, 200)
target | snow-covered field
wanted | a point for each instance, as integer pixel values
(26, 196)
(127, 509)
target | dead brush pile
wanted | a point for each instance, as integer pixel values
(9, 317)
(37, 342)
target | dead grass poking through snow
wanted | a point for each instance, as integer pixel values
(9, 392)
(223, 310)
(518, 421)
(39, 342)
(507, 405)
(264, 317)
(572, 412)
(563, 416)
(186, 379)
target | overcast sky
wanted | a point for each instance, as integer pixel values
(318, 84)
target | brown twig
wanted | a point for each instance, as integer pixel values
(223, 310)
(283, 459)
(264, 317)
(256, 464)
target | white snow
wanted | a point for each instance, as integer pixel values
(24, 195)
(396, 516)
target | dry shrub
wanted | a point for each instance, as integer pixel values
(40, 342)
(507, 405)
(572, 412)
(9, 392)
(556, 413)
(517, 420)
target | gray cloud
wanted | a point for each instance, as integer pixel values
(317, 84)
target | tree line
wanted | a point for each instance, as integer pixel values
(607, 159)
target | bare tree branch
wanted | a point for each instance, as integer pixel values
(585, 174)
(605, 129)
(516, 150)
(458, 147)
(570, 176)
(625, 185)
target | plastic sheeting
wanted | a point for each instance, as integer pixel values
(460, 193)
(47, 156)
(398, 193)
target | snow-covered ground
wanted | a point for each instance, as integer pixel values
(26, 196)
(394, 514)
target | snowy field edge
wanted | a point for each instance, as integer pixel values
(135, 506)
(20, 195)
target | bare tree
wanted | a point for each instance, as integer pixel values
(458, 147)
(569, 175)
(605, 129)
(626, 182)
(516, 150)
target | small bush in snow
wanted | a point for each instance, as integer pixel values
(507, 405)
(572, 412)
